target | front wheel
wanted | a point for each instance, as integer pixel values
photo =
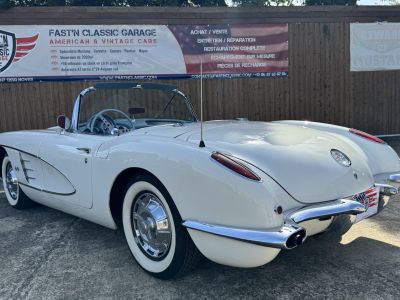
(153, 230)
(15, 196)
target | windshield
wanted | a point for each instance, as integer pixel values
(116, 111)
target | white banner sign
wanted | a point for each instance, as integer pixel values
(113, 52)
(374, 46)
(86, 51)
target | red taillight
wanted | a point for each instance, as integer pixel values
(367, 136)
(235, 166)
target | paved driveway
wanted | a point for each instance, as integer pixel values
(46, 254)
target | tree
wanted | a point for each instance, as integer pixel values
(391, 2)
(66, 2)
(5, 3)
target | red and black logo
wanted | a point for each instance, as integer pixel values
(13, 49)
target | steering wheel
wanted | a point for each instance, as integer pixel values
(107, 123)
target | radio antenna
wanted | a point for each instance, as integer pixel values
(201, 145)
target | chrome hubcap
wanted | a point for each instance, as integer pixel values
(151, 226)
(12, 182)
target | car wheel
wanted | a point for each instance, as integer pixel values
(153, 230)
(15, 196)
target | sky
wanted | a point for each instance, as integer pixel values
(359, 2)
(371, 2)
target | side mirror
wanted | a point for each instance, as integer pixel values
(63, 122)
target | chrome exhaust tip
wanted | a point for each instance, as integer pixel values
(296, 239)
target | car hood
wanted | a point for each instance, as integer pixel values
(296, 157)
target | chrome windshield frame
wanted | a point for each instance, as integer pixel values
(188, 104)
(83, 93)
(77, 105)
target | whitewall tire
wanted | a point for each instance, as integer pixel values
(153, 230)
(15, 196)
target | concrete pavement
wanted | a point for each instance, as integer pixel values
(46, 254)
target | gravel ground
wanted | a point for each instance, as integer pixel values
(46, 254)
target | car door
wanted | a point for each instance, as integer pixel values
(68, 170)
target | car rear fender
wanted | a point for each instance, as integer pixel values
(381, 157)
(201, 188)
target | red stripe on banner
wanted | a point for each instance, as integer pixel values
(277, 49)
(258, 30)
(259, 40)
(210, 67)
(193, 69)
(372, 204)
(213, 68)
(20, 54)
(214, 58)
(25, 47)
(27, 40)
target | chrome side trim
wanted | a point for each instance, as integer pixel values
(25, 169)
(19, 150)
(394, 178)
(285, 237)
(46, 191)
(318, 211)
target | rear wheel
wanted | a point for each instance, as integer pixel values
(153, 230)
(15, 196)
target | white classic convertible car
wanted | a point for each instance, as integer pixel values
(131, 156)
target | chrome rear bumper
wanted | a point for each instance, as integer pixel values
(387, 189)
(291, 234)
(394, 178)
(324, 210)
(386, 192)
(284, 237)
